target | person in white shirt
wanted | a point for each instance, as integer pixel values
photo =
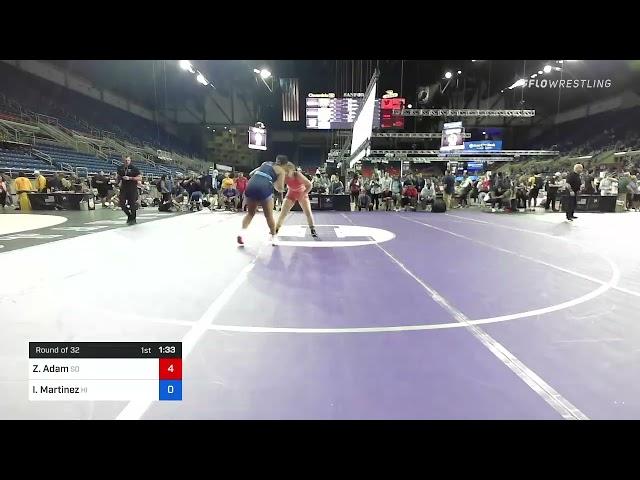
(385, 182)
(376, 190)
(427, 194)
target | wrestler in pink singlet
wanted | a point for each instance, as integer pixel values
(296, 189)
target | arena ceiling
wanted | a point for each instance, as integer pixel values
(161, 82)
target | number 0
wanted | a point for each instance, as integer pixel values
(170, 368)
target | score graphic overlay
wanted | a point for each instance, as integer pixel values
(105, 371)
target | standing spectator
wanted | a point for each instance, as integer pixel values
(219, 178)
(552, 192)
(129, 176)
(573, 188)
(449, 188)
(41, 182)
(589, 188)
(354, 188)
(23, 187)
(396, 190)
(385, 182)
(164, 190)
(241, 186)
(101, 183)
(521, 195)
(376, 189)
(535, 184)
(4, 191)
(633, 193)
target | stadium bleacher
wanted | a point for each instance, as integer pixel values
(81, 113)
(16, 160)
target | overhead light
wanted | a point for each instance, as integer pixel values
(474, 60)
(186, 65)
(502, 91)
(484, 133)
(208, 126)
(264, 73)
(255, 70)
(557, 69)
(200, 79)
(560, 61)
(519, 83)
(534, 75)
(409, 106)
(447, 75)
(547, 68)
(620, 153)
(540, 72)
(459, 72)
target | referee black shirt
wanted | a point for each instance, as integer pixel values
(128, 171)
(573, 180)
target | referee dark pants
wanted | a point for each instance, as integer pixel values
(570, 202)
(129, 202)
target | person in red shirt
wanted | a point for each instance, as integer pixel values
(241, 186)
(410, 196)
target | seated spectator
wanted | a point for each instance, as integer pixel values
(66, 183)
(522, 195)
(336, 187)
(465, 189)
(409, 197)
(364, 201)
(230, 197)
(387, 198)
(227, 181)
(428, 194)
(500, 197)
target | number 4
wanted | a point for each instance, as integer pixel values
(170, 368)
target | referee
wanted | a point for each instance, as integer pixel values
(129, 176)
(573, 188)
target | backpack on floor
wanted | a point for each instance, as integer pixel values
(439, 206)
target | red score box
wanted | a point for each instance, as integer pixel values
(170, 369)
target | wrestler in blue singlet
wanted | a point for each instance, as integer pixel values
(260, 186)
(263, 181)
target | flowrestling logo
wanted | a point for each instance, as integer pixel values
(573, 83)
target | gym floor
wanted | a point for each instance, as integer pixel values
(463, 315)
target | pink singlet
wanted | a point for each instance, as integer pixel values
(296, 189)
